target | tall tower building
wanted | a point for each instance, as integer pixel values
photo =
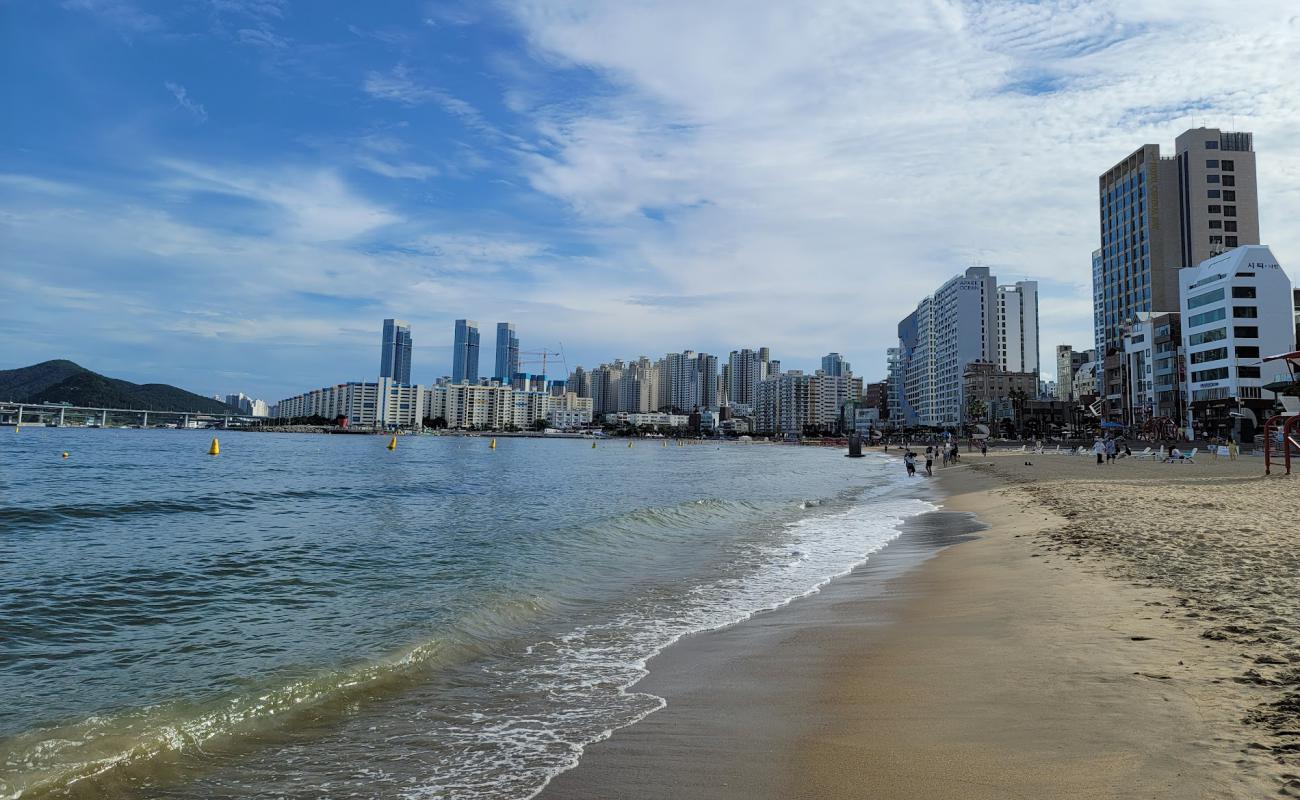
(1018, 327)
(834, 364)
(1161, 214)
(464, 354)
(507, 349)
(395, 357)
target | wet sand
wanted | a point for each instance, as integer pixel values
(1049, 657)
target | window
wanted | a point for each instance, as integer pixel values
(1204, 299)
(1216, 240)
(1216, 223)
(1247, 351)
(1247, 372)
(1226, 166)
(1230, 195)
(1247, 292)
(1230, 225)
(1245, 312)
(1217, 354)
(1213, 194)
(1206, 318)
(1211, 163)
(1210, 144)
(1232, 241)
(1214, 209)
(1229, 211)
(1210, 374)
(1229, 180)
(1211, 178)
(1245, 332)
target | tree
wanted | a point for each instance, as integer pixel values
(976, 409)
(538, 425)
(438, 423)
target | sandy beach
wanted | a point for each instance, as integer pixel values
(1122, 631)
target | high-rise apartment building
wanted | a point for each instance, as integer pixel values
(969, 319)
(507, 353)
(706, 377)
(745, 370)
(395, 358)
(1018, 327)
(1161, 214)
(464, 356)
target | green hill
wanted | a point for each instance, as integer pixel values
(63, 381)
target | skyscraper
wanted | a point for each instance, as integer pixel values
(507, 361)
(464, 355)
(834, 364)
(969, 320)
(395, 358)
(1018, 327)
(1159, 215)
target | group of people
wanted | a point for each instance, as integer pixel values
(949, 452)
(1109, 449)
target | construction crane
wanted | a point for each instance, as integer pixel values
(541, 357)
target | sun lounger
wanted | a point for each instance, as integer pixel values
(1147, 453)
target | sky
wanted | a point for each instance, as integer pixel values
(231, 195)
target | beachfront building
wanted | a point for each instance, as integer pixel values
(655, 419)
(478, 406)
(994, 394)
(580, 382)
(1153, 371)
(638, 388)
(356, 401)
(1018, 327)
(464, 354)
(794, 403)
(605, 380)
(570, 412)
(1236, 308)
(894, 379)
(395, 353)
(956, 326)
(1159, 215)
(529, 408)
(399, 405)
(507, 353)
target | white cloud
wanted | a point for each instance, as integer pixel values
(839, 162)
(186, 102)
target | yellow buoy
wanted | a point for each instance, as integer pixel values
(392, 443)
(65, 453)
(593, 445)
(215, 449)
(629, 442)
(493, 446)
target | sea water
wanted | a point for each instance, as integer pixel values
(318, 616)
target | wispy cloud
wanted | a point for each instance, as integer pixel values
(184, 101)
(120, 14)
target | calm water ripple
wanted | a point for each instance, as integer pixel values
(309, 611)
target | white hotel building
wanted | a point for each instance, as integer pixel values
(1236, 308)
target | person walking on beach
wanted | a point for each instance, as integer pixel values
(1110, 451)
(1232, 449)
(1099, 447)
(929, 462)
(984, 448)
(909, 461)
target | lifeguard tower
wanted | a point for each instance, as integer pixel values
(1282, 431)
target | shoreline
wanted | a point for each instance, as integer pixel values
(1000, 667)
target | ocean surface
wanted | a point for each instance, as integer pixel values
(318, 617)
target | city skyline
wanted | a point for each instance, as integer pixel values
(163, 223)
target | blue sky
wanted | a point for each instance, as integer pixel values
(230, 195)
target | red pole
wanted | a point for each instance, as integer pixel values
(1268, 440)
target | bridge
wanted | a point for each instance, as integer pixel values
(13, 413)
